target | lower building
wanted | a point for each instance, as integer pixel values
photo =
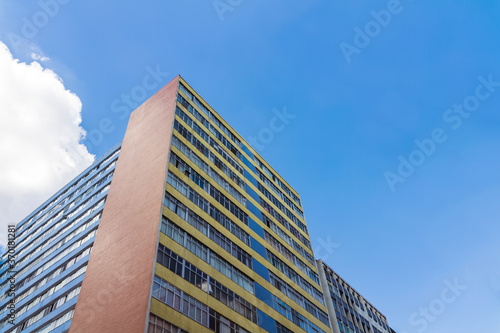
(51, 253)
(348, 311)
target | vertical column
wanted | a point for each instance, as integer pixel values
(327, 297)
(115, 291)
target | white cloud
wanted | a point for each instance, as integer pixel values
(41, 57)
(40, 137)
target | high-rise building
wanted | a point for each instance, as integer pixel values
(348, 310)
(182, 227)
(52, 248)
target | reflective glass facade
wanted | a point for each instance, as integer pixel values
(53, 246)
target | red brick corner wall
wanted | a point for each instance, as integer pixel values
(115, 291)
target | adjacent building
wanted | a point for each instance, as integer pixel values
(52, 250)
(182, 227)
(348, 310)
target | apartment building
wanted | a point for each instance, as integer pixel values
(182, 227)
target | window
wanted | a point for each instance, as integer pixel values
(191, 307)
(177, 207)
(158, 325)
(206, 283)
(203, 252)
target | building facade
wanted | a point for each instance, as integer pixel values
(53, 246)
(348, 310)
(182, 227)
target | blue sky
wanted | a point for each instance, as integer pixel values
(355, 114)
